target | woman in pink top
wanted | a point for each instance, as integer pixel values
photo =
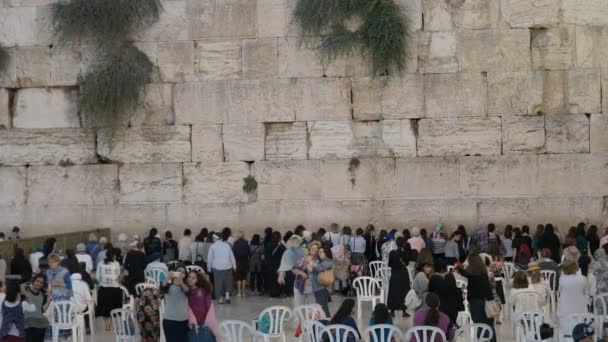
(416, 242)
(201, 320)
(431, 316)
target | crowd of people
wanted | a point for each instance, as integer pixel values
(309, 266)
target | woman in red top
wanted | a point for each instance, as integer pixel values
(200, 303)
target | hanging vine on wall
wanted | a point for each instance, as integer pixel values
(382, 34)
(120, 71)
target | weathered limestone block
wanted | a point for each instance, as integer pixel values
(79, 184)
(8, 77)
(200, 102)
(413, 10)
(261, 100)
(44, 24)
(531, 13)
(46, 108)
(403, 97)
(555, 92)
(587, 172)
(286, 141)
(426, 213)
(427, 178)
(592, 12)
(13, 216)
(493, 50)
(221, 18)
(567, 133)
(499, 176)
(18, 26)
(244, 141)
(400, 137)
(584, 91)
(155, 107)
(150, 183)
(207, 143)
(604, 91)
(373, 178)
(590, 50)
(354, 213)
(298, 61)
(172, 24)
(36, 147)
(459, 136)
(5, 111)
(599, 133)
(273, 18)
(215, 216)
(553, 49)
(176, 60)
(138, 217)
(58, 219)
(523, 134)
(353, 65)
(367, 98)
(33, 66)
(437, 52)
(145, 144)
(214, 182)
(449, 95)
(476, 14)
(322, 99)
(277, 213)
(13, 188)
(65, 64)
(260, 58)
(288, 179)
(330, 139)
(514, 93)
(437, 15)
(218, 58)
(367, 140)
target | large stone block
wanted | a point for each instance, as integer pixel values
(150, 183)
(459, 136)
(590, 50)
(476, 14)
(33, 66)
(46, 108)
(244, 141)
(296, 60)
(353, 213)
(36, 147)
(5, 110)
(155, 106)
(584, 91)
(13, 188)
(322, 99)
(138, 218)
(427, 178)
(345, 139)
(403, 97)
(573, 174)
(425, 213)
(207, 143)
(200, 102)
(372, 178)
(65, 65)
(286, 140)
(261, 100)
(437, 15)
(523, 134)
(592, 12)
(18, 26)
(288, 180)
(214, 182)
(172, 24)
(367, 98)
(13, 216)
(273, 18)
(72, 185)
(413, 10)
(599, 133)
(555, 92)
(145, 144)
(437, 52)
(552, 49)
(221, 18)
(281, 214)
(400, 137)
(176, 60)
(493, 50)
(514, 93)
(8, 77)
(529, 14)
(260, 58)
(448, 95)
(367, 140)
(212, 216)
(218, 58)
(567, 133)
(499, 176)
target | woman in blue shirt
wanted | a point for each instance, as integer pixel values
(380, 315)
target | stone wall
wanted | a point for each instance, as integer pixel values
(500, 116)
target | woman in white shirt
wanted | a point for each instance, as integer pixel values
(517, 299)
(81, 296)
(357, 242)
(109, 294)
(538, 283)
(573, 295)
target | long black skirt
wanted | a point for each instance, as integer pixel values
(108, 299)
(398, 287)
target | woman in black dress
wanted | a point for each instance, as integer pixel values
(399, 284)
(135, 264)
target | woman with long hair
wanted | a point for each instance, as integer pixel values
(70, 262)
(135, 264)
(430, 315)
(550, 241)
(318, 265)
(399, 283)
(36, 321)
(109, 293)
(479, 290)
(450, 298)
(201, 307)
(273, 253)
(256, 265)
(12, 327)
(593, 239)
(175, 317)
(344, 316)
(581, 239)
(521, 285)
(20, 266)
(380, 315)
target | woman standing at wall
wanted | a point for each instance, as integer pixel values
(109, 294)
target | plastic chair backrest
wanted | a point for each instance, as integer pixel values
(374, 266)
(309, 312)
(509, 270)
(530, 298)
(551, 277)
(63, 314)
(338, 333)
(569, 322)
(195, 268)
(425, 334)
(278, 315)
(155, 274)
(124, 323)
(367, 287)
(528, 325)
(480, 332)
(139, 288)
(235, 331)
(312, 330)
(600, 303)
(383, 333)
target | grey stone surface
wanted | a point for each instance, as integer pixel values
(322, 99)
(459, 136)
(523, 134)
(200, 102)
(558, 173)
(214, 182)
(598, 133)
(288, 180)
(567, 133)
(244, 141)
(13, 188)
(46, 108)
(150, 183)
(448, 95)
(493, 49)
(286, 141)
(218, 58)
(499, 176)
(6, 121)
(261, 100)
(207, 144)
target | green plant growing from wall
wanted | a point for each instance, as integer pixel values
(382, 34)
(250, 184)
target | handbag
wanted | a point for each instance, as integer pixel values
(546, 331)
(326, 278)
(492, 309)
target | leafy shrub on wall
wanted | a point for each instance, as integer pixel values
(382, 34)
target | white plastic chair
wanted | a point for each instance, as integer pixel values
(528, 326)
(155, 274)
(463, 286)
(411, 273)
(311, 330)
(173, 263)
(367, 289)
(464, 321)
(150, 280)
(508, 270)
(278, 316)
(139, 288)
(91, 313)
(383, 333)
(567, 324)
(529, 297)
(385, 277)
(374, 266)
(236, 331)
(451, 268)
(551, 278)
(127, 300)
(338, 333)
(309, 312)
(63, 317)
(195, 268)
(600, 304)
(480, 332)
(424, 334)
(126, 327)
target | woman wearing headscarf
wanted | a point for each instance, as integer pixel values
(289, 260)
(273, 254)
(399, 284)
